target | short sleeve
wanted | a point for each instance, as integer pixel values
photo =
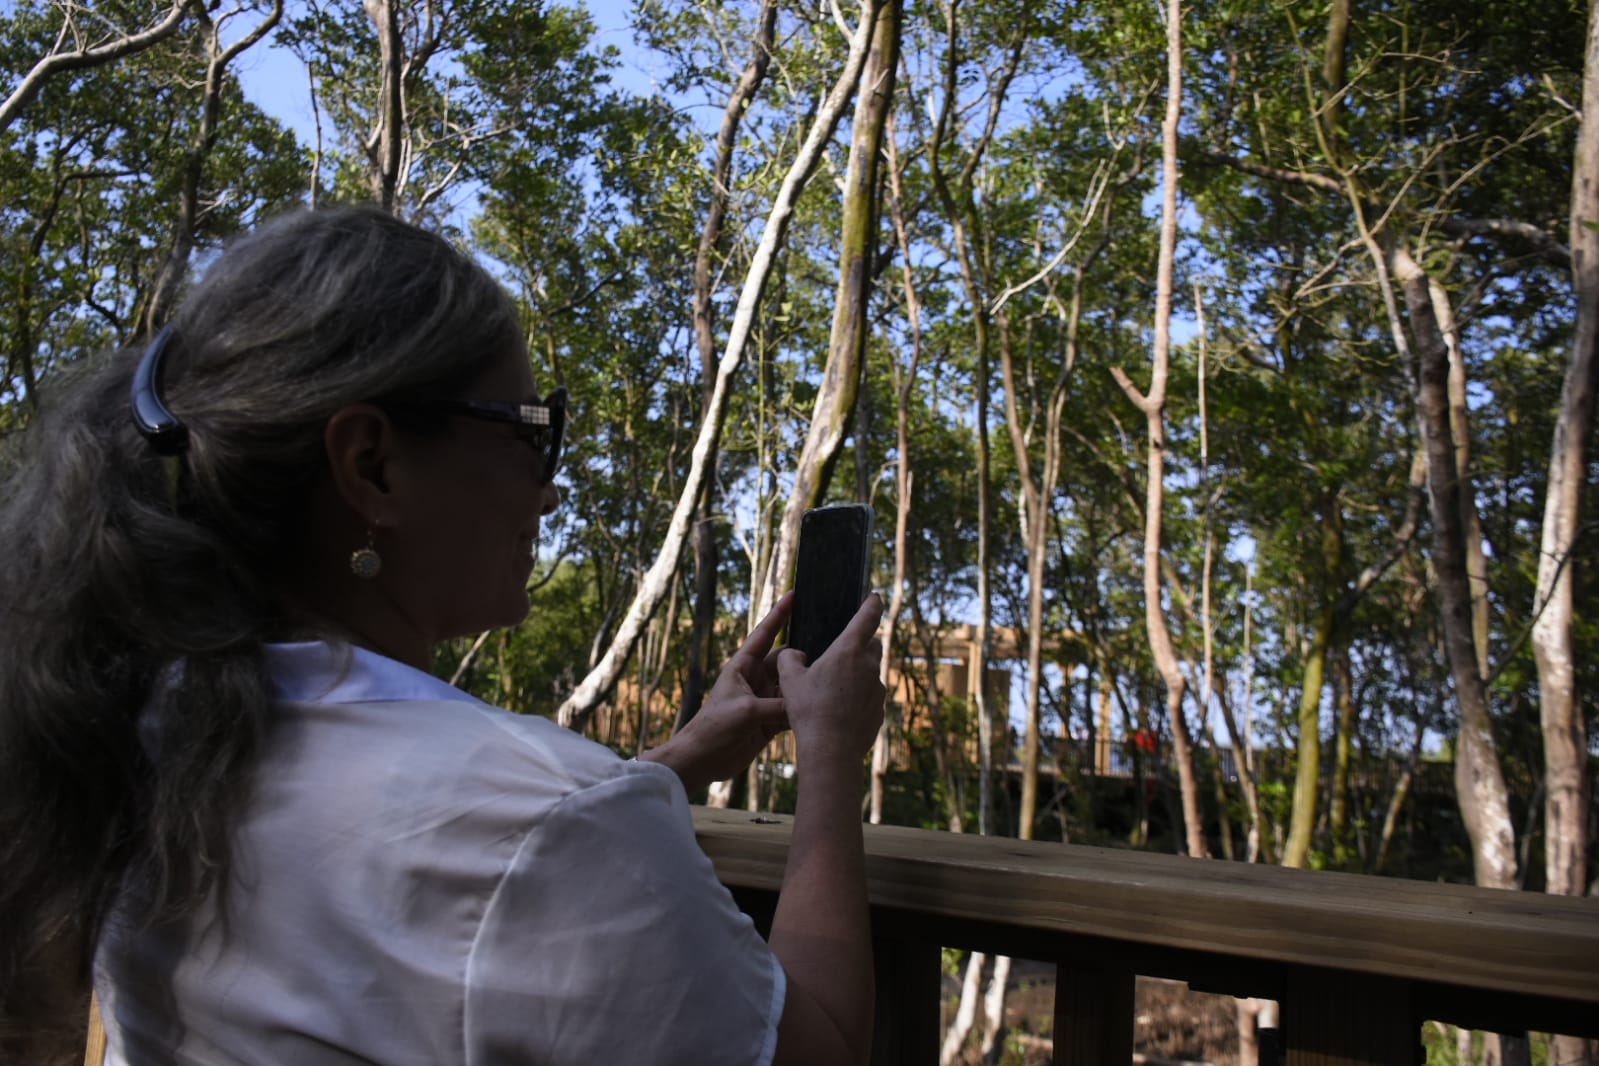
(611, 940)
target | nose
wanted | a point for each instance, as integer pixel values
(550, 500)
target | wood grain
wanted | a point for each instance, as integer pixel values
(1223, 915)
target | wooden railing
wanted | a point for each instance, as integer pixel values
(1356, 963)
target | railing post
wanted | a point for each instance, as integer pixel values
(1093, 1017)
(1343, 1019)
(909, 990)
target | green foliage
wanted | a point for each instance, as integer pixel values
(88, 192)
(589, 198)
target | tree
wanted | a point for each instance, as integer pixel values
(1566, 783)
(91, 49)
(1153, 405)
(652, 587)
(186, 224)
(705, 526)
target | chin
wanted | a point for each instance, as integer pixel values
(510, 611)
(516, 609)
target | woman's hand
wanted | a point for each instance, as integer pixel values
(835, 705)
(740, 716)
(821, 931)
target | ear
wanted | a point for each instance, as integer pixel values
(360, 442)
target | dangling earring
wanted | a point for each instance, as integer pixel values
(366, 563)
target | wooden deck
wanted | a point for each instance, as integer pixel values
(1357, 963)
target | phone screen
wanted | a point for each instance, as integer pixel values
(832, 574)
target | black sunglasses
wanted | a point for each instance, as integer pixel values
(540, 425)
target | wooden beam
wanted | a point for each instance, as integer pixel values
(1532, 957)
(1340, 1019)
(906, 1029)
(1093, 1016)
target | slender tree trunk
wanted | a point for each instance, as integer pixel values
(1565, 739)
(1460, 429)
(1036, 494)
(384, 143)
(1153, 405)
(1307, 768)
(993, 1044)
(650, 675)
(1479, 783)
(835, 399)
(1246, 739)
(1248, 1013)
(1396, 802)
(966, 1013)
(1338, 808)
(904, 384)
(1034, 525)
(959, 206)
(705, 533)
(946, 761)
(1565, 742)
(1246, 778)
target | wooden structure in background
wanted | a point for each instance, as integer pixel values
(1357, 963)
(616, 721)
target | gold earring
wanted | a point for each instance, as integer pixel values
(366, 563)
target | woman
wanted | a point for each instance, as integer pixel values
(232, 792)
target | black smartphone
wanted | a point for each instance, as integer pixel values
(832, 574)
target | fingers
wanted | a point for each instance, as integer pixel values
(790, 662)
(863, 627)
(772, 715)
(759, 642)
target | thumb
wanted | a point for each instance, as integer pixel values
(732, 677)
(791, 662)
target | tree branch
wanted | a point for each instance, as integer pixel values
(1548, 249)
(84, 58)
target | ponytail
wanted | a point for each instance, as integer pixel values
(137, 590)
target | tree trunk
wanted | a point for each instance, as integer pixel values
(993, 1043)
(384, 143)
(1460, 429)
(835, 398)
(961, 1025)
(1246, 778)
(1564, 731)
(1479, 783)
(1396, 802)
(1307, 763)
(1348, 718)
(1036, 493)
(705, 539)
(959, 206)
(1153, 405)
(904, 384)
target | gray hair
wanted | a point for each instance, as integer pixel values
(119, 563)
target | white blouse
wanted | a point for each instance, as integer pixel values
(419, 877)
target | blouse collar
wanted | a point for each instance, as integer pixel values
(319, 672)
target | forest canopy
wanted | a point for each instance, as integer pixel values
(1268, 513)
